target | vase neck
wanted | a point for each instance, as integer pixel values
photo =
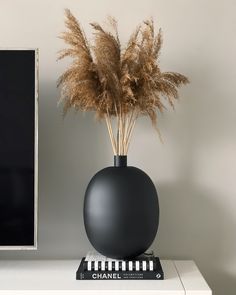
(120, 161)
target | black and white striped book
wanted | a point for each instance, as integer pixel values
(98, 267)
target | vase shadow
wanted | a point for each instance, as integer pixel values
(194, 226)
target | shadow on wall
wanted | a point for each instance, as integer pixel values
(193, 226)
(196, 221)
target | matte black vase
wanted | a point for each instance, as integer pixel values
(121, 211)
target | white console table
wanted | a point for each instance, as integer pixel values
(26, 277)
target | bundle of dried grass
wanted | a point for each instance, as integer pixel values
(114, 83)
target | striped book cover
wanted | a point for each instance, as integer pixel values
(97, 267)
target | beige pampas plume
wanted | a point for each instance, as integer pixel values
(114, 83)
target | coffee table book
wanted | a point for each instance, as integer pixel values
(102, 268)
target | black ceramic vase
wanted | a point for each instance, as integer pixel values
(121, 211)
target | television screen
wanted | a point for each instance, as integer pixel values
(18, 148)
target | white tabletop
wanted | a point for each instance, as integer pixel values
(58, 277)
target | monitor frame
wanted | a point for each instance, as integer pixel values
(36, 99)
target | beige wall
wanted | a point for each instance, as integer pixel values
(194, 170)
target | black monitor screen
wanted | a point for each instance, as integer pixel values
(17, 146)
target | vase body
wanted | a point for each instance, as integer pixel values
(121, 211)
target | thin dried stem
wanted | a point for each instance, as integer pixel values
(125, 131)
(120, 133)
(110, 131)
(129, 136)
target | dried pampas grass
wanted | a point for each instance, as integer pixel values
(114, 83)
